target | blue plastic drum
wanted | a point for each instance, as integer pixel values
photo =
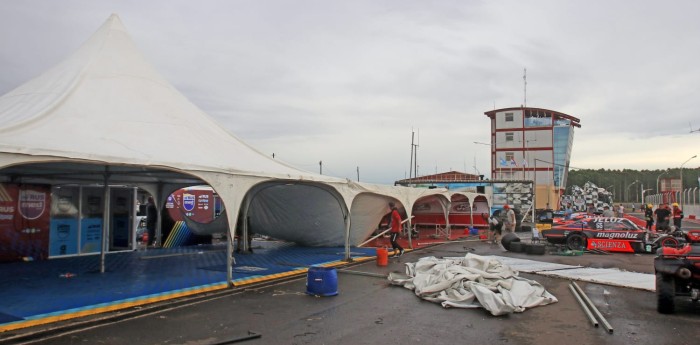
(322, 281)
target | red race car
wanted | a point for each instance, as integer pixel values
(602, 233)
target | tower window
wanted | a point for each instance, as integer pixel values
(509, 136)
(509, 117)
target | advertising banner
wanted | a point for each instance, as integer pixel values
(24, 222)
(90, 235)
(197, 204)
(64, 237)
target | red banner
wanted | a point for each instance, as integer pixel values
(196, 203)
(24, 222)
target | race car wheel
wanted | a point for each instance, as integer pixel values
(665, 292)
(671, 242)
(576, 242)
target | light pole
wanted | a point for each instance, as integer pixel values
(682, 178)
(657, 181)
(643, 191)
(627, 195)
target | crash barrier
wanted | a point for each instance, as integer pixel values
(509, 238)
(322, 281)
(382, 257)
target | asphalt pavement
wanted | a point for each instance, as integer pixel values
(368, 310)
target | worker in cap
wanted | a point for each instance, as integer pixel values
(649, 216)
(395, 226)
(509, 222)
(677, 215)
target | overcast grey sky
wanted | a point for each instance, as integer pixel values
(345, 82)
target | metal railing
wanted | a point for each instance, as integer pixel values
(689, 198)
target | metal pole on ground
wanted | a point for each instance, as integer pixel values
(593, 308)
(590, 316)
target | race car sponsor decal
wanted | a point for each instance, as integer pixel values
(621, 235)
(610, 245)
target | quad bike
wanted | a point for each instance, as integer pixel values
(678, 272)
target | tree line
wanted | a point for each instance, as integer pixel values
(622, 182)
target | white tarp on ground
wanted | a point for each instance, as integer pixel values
(532, 266)
(472, 282)
(607, 276)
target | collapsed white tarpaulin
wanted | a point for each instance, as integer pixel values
(472, 282)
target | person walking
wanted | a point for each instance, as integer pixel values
(395, 226)
(509, 223)
(677, 216)
(495, 226)
(621, 211)
(649, 216)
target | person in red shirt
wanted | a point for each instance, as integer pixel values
(395, 226)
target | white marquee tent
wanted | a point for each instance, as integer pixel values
(105, 116)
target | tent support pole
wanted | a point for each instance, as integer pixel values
(158, 241)
(243, 239)
(410, 232)
(346, 220)
(471, 212)
(229, 259)
(105, 220)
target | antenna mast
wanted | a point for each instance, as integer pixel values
(525, 87)
(410, 166)
(415, 155)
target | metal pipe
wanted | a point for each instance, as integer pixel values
(360, 273)
(380, 234)
(443, 242)
(593, 308)
(590, 316)
(251, 335)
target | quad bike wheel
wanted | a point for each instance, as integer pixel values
(665, 292)
(576, 242)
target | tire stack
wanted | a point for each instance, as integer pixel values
(511, 242)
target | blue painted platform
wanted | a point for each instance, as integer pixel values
(33, 293)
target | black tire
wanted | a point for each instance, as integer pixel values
(516, 247)
(671, 242)
(508, 238)
(535, 249)
(665, 293)
(576, 241)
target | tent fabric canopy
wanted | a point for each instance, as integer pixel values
(105, 106)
